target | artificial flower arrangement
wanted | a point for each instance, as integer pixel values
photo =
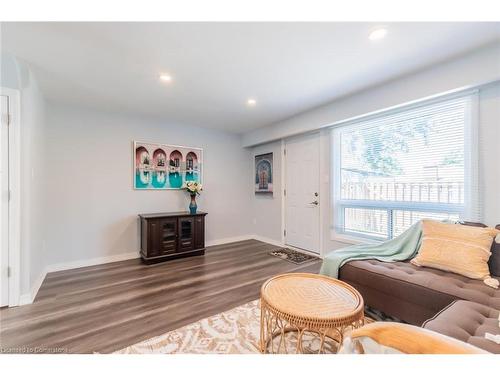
(192, 187)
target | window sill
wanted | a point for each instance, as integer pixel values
(352, 240)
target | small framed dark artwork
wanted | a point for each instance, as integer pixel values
(264, 173)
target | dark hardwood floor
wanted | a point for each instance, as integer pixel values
(108, 307)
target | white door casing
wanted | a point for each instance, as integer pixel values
(4, 202)
(302, 186)
(11, 192)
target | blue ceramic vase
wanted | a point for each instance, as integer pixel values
(193, 206)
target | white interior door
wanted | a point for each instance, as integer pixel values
(302, 192)
(4, 202)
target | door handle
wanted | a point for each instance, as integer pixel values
(314, 202)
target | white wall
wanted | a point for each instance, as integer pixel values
(9, 71)
(79, 205)
(33, 219)
(91, 205)
(266, 208)
(489, 153)
(17, 75)
(477, 68)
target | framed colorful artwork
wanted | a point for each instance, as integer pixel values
(264, 173)
(162, 167)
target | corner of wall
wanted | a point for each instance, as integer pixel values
(29, 297)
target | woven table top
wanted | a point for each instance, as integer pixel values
(312, 296)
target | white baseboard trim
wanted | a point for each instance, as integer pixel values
(246, 237)
(226, 240)
(268, 240)
(92, 262)
(28, 298)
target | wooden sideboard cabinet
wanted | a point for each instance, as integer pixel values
(172, 235)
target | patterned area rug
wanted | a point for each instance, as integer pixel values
(235, 331)
(296, 257)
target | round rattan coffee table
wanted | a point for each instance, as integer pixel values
(307, 303)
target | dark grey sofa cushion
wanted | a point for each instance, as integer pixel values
(494, 261)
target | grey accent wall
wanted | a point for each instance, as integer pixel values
(92, 206)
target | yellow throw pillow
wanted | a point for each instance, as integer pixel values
(457, 248)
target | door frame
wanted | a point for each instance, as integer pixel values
(14, 250)
(322, 200)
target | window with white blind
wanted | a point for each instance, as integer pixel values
(392, 170)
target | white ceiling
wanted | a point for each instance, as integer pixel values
(216, 67)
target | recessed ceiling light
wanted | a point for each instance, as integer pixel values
(251, 102)
(378, 34)
(165, 78)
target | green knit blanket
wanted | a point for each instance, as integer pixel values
(403, 247)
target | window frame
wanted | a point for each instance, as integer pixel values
(469, 210)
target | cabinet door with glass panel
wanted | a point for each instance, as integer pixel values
(168, 236)
(186, 234)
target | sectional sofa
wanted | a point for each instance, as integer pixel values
(441, 301)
